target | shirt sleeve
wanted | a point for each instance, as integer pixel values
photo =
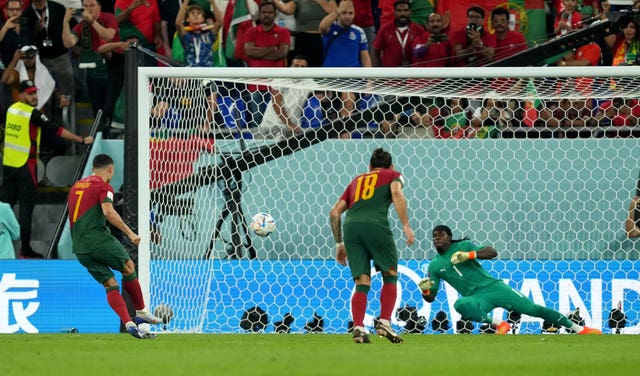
(77, 30)
(364, 44)
(345, 196)
(285, 37)
(106, 194)
(41, 120)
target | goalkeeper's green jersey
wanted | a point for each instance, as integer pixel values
(466, 277)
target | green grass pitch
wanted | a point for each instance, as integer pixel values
(317, 354)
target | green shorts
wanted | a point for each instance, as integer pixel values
(99, 262)
(365, 242)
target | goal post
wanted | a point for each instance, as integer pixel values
(540, 163)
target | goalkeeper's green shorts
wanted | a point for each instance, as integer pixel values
(365, 242)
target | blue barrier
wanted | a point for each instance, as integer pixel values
(52, 296)
(304, 287)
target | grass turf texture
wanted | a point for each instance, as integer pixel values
(317, 354)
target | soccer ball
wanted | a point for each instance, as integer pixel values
(263, 224)
(163, 312)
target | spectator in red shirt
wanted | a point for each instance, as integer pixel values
(473, 45)
(364, 18)
(95, 29)
(508, 42)
(569, 19)
(433, 48)
(584, 56)
(392, 46)
(265, 45)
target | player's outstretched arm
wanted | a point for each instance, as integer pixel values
(114, 218)
(485, 253)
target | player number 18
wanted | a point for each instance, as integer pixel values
(365, 187)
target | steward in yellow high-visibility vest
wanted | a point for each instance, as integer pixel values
(24, 125)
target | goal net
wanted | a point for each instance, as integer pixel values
(540, 163)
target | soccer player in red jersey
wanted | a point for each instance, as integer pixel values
(508, 42)
(90, 206)
(367, 236)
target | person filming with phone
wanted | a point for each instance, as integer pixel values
(433, 48)
(14, 33)
(473, 45)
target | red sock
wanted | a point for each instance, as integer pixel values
(134, 290)
(118, 305)
(358, 307)
(387, 300)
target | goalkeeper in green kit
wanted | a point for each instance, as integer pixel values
(456, 263)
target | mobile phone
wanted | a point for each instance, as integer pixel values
(78, 12)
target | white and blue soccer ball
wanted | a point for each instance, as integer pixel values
(163, 312)
(263, 224)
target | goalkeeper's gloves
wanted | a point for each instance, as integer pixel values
(460, 256)
(425, 285)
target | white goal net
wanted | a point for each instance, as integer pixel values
(540, 163)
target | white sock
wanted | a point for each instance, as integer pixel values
(129, 323)
(495, 321)
(576, 328)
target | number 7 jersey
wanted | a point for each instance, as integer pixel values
(368, 196)
(87, 221)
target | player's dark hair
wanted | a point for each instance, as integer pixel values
(500, 11)
(267, 4)
(102, 161)
(398, 2)
(300, 57)
(447, 231)
(476, 9)
(380, 159)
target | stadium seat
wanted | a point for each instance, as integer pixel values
(60, 170)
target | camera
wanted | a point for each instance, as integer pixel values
(474, 27)
(78, 12)
(22, 21)
(439, 37)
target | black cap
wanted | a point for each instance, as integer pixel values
(27, 86)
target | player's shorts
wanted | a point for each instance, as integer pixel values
(109, 255)
(365, 242)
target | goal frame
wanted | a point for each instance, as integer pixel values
(145, 74)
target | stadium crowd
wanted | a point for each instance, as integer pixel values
(91, 38)
(74, 52)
